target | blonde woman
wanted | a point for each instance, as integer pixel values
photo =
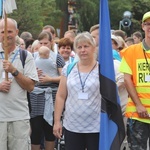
(79, 94)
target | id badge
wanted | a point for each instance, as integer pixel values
(9, 75)
(147, 78)
(83, 96)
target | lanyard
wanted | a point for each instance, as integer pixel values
(146, 60)
(13, 57)
(83, 82)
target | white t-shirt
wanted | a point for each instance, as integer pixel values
(82, 115)
(14, 105)
(123, 94)
(55, 48)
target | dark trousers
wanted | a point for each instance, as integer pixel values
(80, 141)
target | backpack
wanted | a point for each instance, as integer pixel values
(70, 66)
(23, 55)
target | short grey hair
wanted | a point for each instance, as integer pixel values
(84, 37)
(13, 20)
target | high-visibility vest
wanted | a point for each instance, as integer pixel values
(140, 68)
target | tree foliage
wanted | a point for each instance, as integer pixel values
(32, 15)
(117, 9)
(87, 11)
(28, 21)
(51, 15)
(137, 8)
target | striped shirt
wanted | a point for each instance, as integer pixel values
(38, 100)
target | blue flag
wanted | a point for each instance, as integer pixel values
(112, 131)
(1, 7)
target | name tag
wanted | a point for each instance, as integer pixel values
(147, 78)
(9, 75)
(83, 96)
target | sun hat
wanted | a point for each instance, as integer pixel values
(116, 39)
(146, 16)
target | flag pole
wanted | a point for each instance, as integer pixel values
(5, 43)
(112, 132)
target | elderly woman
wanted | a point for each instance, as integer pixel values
(79, 94)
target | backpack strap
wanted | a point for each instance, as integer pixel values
(70, 67)
(23, 55)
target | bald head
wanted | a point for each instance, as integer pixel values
(9, 21)
(12, 32)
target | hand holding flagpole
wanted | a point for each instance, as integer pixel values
(7, 7)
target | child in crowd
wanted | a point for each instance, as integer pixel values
(44, 52)
(43, 63)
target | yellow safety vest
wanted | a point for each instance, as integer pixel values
(138, 62)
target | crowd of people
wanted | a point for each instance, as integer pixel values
(61, 77)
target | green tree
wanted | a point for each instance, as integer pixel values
(87, 14)
(32, 15)
(51, 15)
(117, 9)
(28, 16)
(138, 9)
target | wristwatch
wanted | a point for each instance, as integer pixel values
(15, 73)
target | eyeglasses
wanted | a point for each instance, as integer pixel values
(147, 24)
